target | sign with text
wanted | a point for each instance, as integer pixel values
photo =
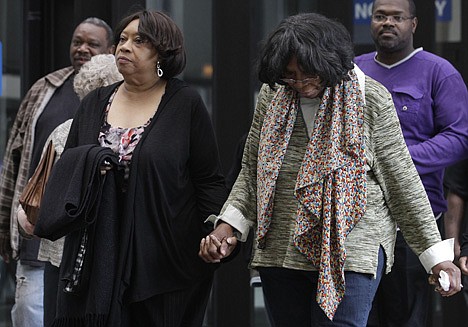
(363, 11)
(443, 10)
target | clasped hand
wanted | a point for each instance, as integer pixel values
(218, 245)
(454, 276)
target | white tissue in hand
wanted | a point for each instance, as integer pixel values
(444, 280)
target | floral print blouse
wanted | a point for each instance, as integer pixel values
(122, 141)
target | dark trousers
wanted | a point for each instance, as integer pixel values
(181, 308)
(290, 297)
(455, 307)
(51, 278)
(403, 297)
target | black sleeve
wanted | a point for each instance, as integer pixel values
(205, 165)
(88, 119)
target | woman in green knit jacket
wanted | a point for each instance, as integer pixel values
(326, 179)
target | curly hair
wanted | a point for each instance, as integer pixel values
(321, 45)
(100, 71)
(164, 35)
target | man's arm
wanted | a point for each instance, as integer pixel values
(453, 220)
(449, 144)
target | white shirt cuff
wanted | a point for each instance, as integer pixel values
(236, 219)
(439, 252)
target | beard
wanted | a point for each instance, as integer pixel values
(389, 42)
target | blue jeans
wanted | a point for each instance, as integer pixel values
(290, 297)
(28, 310)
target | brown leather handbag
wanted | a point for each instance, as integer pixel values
(31, 197)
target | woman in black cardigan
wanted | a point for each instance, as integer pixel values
(169, 175)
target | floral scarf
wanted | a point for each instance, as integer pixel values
(331, 184)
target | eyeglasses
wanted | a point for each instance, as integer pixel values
(304, 82)
(380, 18)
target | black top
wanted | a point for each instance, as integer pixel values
(61, 107)
(175, 183)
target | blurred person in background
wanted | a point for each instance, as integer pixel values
(431, 101)
(49, 102)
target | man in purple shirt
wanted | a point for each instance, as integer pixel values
(431, 99)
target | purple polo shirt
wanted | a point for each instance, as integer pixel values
(431, 100)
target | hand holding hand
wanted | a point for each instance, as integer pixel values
(454, 276)
(218, 245)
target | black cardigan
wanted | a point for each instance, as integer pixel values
(175, 183)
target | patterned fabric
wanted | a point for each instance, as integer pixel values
(121, 140)
(72, 284)
(18, 151)
(331, 183)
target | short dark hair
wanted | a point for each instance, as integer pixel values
(165, 36)
(412, 7)
(99, 22)
(321, 45)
